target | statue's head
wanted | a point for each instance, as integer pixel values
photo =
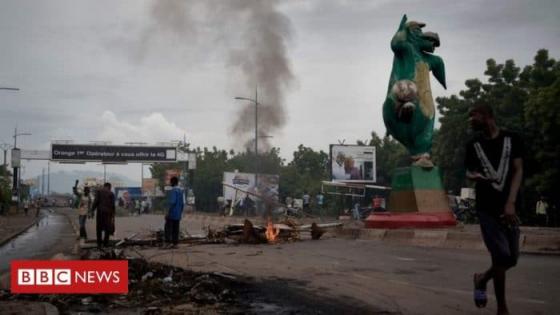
(423, 41)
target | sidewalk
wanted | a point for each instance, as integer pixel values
(12, 225)
(533, 240)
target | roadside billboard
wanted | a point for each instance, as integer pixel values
(111, 153)
(170, 173)
(149, 186)
(352, 163)
(268, 185)
(127, 195)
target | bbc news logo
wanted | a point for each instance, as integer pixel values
(69, 276)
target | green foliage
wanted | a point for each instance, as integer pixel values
(207, 183)
(5, 191)
(523, 101)
(304, 173)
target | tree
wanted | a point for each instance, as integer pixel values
(542, 124)
(304, 173)
(5, 191)
(523, 101)
(207, 184)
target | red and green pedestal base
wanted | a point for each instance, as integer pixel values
(417, 200)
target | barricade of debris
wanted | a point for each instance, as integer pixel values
(153, 289)
(247, 233)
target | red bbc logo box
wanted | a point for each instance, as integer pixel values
(69, 276)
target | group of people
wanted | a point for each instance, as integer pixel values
(102, 206)
(306, 202)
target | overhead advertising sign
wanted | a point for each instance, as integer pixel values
(352, 163)
(112, 153)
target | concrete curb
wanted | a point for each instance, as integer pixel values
(16, 234)
(530, 242)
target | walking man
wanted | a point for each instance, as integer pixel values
(173, 217)
(26, 206)
(105, 220)
(494, 162)
(83, 210)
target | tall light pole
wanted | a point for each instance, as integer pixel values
(5, 147)
(16, 175)
(256, 102)
(49, 178)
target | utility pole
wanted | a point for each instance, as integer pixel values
(16, 173)
(256, 102)
(48, 178)
(43, 183)
(257, 166)
(5, 147)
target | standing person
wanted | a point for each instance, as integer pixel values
(173, 217)
(105, 221)
(38, 204)
(137, 206)
(83, 210)
(494, 162)
(143, 206)
(320, 200)
(541, 210)
(26, 206)
(306, 200)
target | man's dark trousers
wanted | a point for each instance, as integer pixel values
(172, 231)
(99, 228)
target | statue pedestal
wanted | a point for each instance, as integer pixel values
(417, 200)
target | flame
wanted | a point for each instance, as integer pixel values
(271, 233)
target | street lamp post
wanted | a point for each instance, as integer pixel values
(256, 102)
(16, 175)
(5, 147)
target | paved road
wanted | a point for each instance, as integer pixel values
(51, 235)
(405, 280)
(398, 279)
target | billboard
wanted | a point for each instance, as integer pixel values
(126, 196)
(111, 153)
(149, 186)
(170, 173)
(352, 163)
(268, 185)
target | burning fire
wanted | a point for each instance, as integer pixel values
(271, 233)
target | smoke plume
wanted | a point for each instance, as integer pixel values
(253, 35)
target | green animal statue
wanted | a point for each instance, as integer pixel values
(408, 111)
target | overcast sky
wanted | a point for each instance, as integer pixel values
(143, 71)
